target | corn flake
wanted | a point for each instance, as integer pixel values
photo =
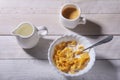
(69, 60)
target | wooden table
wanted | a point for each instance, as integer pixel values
(103, 18)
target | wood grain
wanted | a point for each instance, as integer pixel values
(97, 24)
(103, 18)
(10, 49)
(41, 70)
(52, 7)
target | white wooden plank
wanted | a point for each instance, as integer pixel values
(49, 6)
(10, 49)
(27, 70)
(97, 24)
(41, 70)
(108, 50)
(99, 6)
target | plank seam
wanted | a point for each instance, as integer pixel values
(44, 59)
(64, 34)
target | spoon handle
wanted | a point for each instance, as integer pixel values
(109, 38)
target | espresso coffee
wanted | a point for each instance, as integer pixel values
(70, 13)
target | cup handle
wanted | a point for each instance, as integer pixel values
(82, 20)
(42, 30)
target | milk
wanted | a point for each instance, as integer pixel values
(24, 30)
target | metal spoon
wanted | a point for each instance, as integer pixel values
(105, 40)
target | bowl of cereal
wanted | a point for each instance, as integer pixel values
(67, 57)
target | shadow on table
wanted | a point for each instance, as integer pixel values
(90, 28)
(102, 70)
(40, 51)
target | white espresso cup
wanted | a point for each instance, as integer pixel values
(28, 35)
(71, 23)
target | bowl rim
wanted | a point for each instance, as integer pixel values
(63, 73)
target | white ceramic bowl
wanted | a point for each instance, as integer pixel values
(81, 40)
